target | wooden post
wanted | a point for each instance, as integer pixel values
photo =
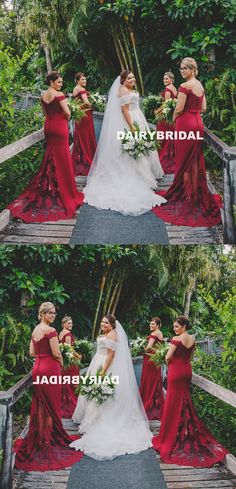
(230, 195)
(6, 422)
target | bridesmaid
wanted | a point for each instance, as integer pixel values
(46, 445)
(68, 397)
(190, 202)
(183, 438)
(85, 144)
(166, 153)
(51, 195)
(151, 382)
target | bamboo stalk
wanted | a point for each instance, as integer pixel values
(118, 51)
(127, 48)
(132, 37)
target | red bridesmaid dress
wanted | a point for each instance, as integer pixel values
(84, 145)
(183, 437)
(151, 390)
(68, 397)
(51, 195)
(46, 445)
(190, 202)
(167, 150)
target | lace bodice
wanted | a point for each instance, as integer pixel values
(193, 102)
(42, 346)
(53, 107)
(103, 344)
(132, 99)
(182, 351)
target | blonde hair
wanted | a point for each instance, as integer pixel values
(44, 308)
(170, 75)
(66, 319)
(191, 63)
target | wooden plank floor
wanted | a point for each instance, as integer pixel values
(60, 232)
(176, 477)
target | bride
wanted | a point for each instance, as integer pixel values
(119, 425)
(116, 181)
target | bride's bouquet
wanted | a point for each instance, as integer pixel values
(97, 388)
(136, 145)
(159, 353)
(69, 355)
(166, 111)
(77, 110)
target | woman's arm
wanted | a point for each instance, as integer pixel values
(65, 108)
(167, 95)
(204, 105)
(127, 116)
(32, 350)
(54, 344)
(85, 100)
(68, 339)
(170, 353)
(181, 100)
(150, 344)
(108, 361)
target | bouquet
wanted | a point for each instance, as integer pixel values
(77, 110)
(97, 388)
(159, 353)
(69, 355)
(137, 346)
(150, 103)
(166, 111)
(137, 146)
(98, 101)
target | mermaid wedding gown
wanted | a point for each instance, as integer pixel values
(120, 424)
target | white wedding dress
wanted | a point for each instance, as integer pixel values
(119, 425)
(116, 181)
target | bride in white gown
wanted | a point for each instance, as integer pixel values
(116, 181)
(119, 425)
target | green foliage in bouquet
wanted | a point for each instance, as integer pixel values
(77, 112)
(97, 388)
(166, 111)
(139, 146)
(137, 346)
(69, 355)
(149, 104)
(159, 354)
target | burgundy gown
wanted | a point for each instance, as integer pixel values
(68, 397)
(167, 150)
(51, 195)
(84, 145)
(46, 445)
(190, 202)
(151, 390)
(183, 437)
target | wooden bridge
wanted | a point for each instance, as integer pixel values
(14, 231)
(177, 477)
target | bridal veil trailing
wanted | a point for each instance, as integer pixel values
(119, 425)
(116, 181)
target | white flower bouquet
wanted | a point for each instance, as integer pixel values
(76, 109)
(98, 101)
(159, 353)
(137, 145)
(137, 346)
(69, 355)
(166, 111)
(98, 388)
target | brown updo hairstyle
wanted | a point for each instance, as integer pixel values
(157, 321)
(52, 76)
(44, 308)
(66, 319)
(78, 76)
(111, 319)
(192, 64)
(183, 321)
(170, 75)
(124, 74)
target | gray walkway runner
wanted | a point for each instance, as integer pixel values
(109, 227)
(125, 472)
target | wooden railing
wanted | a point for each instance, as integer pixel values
(226, 153)
(9, 398)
